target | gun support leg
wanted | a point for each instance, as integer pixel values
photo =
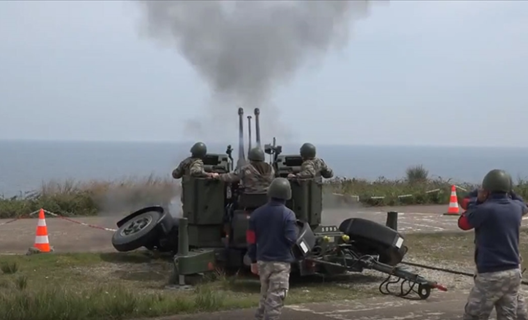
(183, 245)
(392, 220)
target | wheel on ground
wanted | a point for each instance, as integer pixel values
(372, 238)
(137, 232)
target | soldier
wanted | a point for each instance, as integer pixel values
(193, 165)
(255, 176)
(496, 215)
(270, 236)
(312, 167)
(477, 196)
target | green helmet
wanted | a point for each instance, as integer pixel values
(280, 189)
(308, 150)
(497, 181)
(198, 150)
(256, 154)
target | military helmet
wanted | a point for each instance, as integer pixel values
(308, 150)
(497, 181)
(280, 189)
(198, 150)
(256, 154)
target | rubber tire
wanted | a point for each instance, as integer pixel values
(145, 237)
(372, 238)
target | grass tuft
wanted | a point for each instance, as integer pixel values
(9, 267)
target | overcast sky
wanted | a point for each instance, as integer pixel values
(412, 73)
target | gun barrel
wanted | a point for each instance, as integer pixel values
(249, 133)
(241, 153)
(257, 126)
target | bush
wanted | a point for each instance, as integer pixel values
(71, 198)
(92, 197)
(417, 174)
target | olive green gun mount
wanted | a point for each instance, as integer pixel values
(215, 214)
(210, 232)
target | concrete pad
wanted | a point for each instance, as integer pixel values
(441, 306)
(66, 236)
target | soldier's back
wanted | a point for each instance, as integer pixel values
(322, 170)
(187, 168)
(257, 180)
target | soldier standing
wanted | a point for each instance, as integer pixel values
(478, 196)
(312, 167)
(270, 236)
(255, 176)
(496, 215)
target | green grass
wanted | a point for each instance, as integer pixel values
(127, 286)
(92, 197)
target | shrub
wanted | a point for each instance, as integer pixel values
(417, 174)
(92, 197)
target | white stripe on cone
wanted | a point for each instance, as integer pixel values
(453, 204)
(42, 223)
(41, 240)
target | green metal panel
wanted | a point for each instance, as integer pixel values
(306, 202)
(204, 201)
(205, 236)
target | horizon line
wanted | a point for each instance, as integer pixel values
(288, 143)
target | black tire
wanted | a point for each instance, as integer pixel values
(137, 232)
(372, 238)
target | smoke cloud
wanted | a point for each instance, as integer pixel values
(245, 50)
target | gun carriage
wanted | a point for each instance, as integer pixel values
(212, 230)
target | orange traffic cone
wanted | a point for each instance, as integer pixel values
(453, 209)
(41, 237)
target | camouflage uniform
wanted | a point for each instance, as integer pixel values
(522, 311)
(499, 290)
(189, 167)
(274, 286)
(252, 180)
(315, 168)
(494, 289)
(255, 176)
(192, 166)
(274, 275)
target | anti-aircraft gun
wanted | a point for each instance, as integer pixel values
(211, 231)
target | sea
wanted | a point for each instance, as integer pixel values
(25, 165)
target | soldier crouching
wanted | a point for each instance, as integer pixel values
(270, 236)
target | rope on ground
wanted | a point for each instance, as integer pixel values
(18, 218)
(409, 195)
(60, 217)
(77, 222)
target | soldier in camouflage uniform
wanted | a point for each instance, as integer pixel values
(271, 235)
(312, 167)
(192, 166)
(255, 176)
(496, 215)
(475, 197)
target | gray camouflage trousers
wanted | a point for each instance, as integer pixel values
(274, 286)
(495, 289)
(522, 312)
